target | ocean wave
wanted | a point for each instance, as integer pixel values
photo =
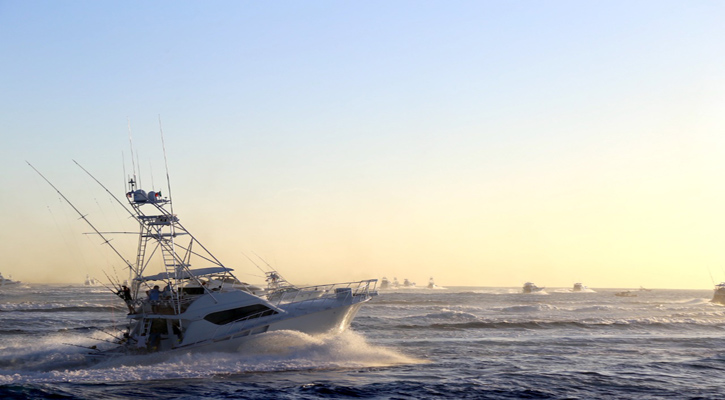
(50, 307)
(595, 308)
(528, 308)
(450, 314)
(664, 323)
(69, 309)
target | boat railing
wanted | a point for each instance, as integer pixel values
(331, 291)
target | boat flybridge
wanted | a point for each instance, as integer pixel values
(182, 307)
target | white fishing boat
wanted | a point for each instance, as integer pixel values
(279, 289)
(208, 308)
(531, 288)
(578, 287)
(431, 284)
(408, 284)
(91, 281)
(384, 283)
(719, 294)
(7, 282)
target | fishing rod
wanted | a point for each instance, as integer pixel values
(255, 264)
(114, 290)
(83, 347)
(263, 260)
(106, 189)
(109, 334)
(83, 217)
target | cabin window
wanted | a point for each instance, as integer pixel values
(235, 314)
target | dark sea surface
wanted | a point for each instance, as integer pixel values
(479, 343)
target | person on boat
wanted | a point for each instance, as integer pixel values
(125, 294)
(154, 297)
(166, 293)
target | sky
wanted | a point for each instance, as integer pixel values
(482, 143)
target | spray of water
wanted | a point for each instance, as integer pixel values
(270, 352)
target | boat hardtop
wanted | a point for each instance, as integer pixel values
(186, 274)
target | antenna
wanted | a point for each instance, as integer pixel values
(139, 170)
(166, 165)
(130, 142)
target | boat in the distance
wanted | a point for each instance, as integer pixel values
(431, 284)
(7, 282)
(91, 281)
(384, 283)
(625, 293)
(279, 288)
(207, 307)
(408, 284)
(531, 288)
(718, 295)
(578, 287)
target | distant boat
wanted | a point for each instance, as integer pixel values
(641, 289)
(578, 287)
(431, 284)
(91, 281)
(7, 281)
(279, 288)
(408, 284)
(384, 283)
(395, 283)
(626, 293)
(719, 295)
(531, 288)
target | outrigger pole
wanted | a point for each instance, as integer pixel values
(83, 217)
(106, 189)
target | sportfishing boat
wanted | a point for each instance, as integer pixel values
(431, 284)
(208, 307)
(578, 287)
(531, 288)
(7, 281)
(408, 284)
(719, 294)
(91, 281)
(279, 288)
(384, 283)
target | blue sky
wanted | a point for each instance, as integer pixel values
(557, 141)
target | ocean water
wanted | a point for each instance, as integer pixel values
(479, 343)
